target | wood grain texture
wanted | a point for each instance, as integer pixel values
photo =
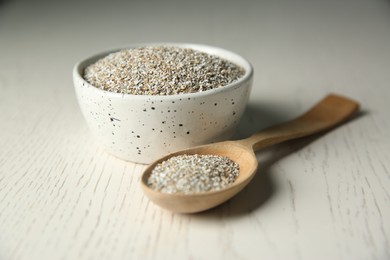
(326, 197)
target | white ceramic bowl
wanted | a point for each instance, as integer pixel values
(143, 128)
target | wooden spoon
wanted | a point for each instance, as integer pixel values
(329, 112)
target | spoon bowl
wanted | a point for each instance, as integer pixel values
(328, 113)
(186, 203)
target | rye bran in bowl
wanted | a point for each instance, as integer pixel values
(147, 100)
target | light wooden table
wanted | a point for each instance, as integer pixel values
(328, 197)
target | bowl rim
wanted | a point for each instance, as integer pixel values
(217, 51)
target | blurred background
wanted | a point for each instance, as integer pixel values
(282, 38)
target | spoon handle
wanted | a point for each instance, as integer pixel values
(329, 112)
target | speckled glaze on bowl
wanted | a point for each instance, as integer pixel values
(143, 128)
